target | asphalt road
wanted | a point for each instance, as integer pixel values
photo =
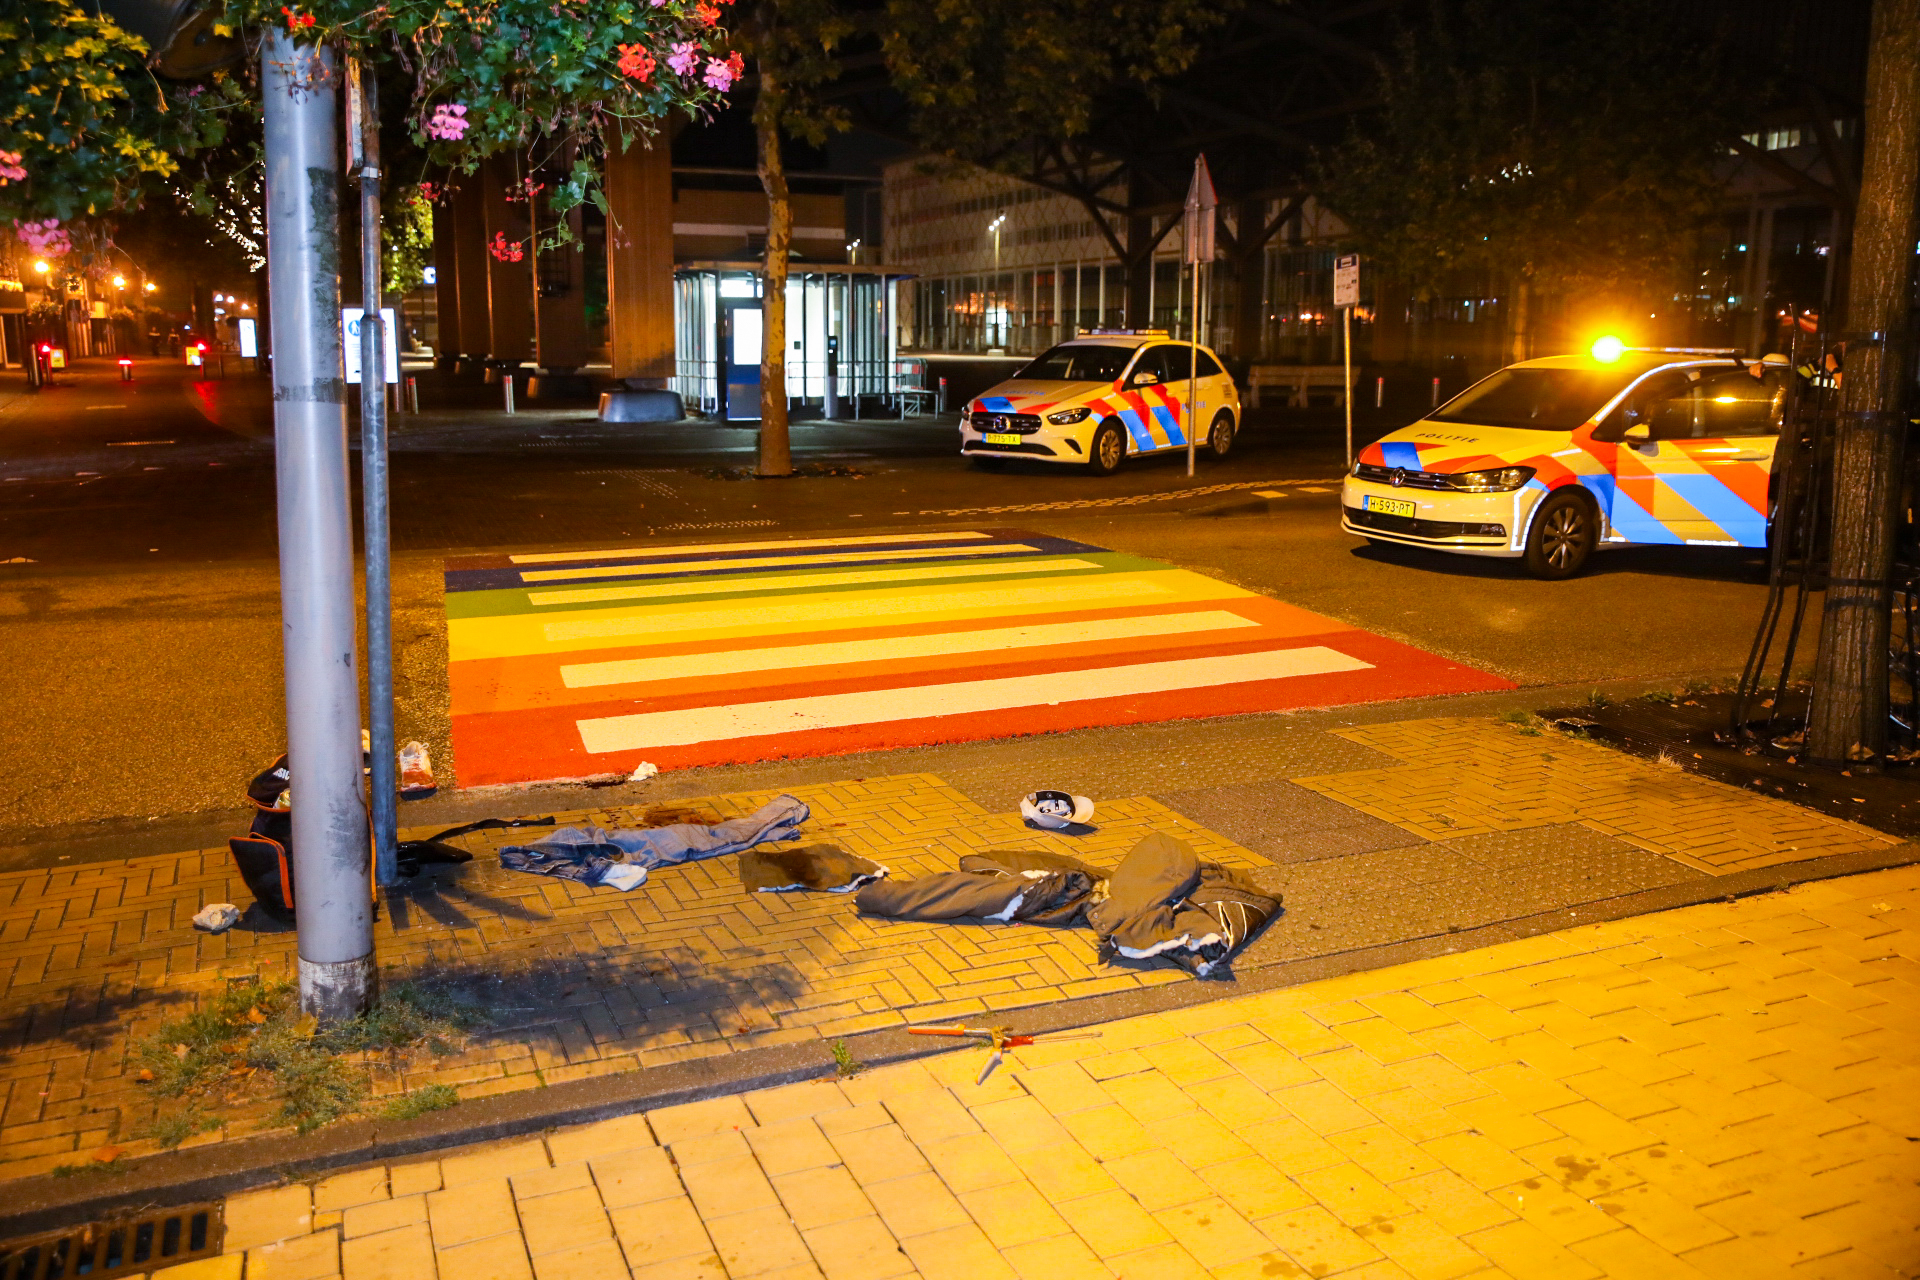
(139, 603)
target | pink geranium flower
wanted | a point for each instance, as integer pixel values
(45, 238)
(11, 170)
(449, 122)
(684, 58)
(721, 75)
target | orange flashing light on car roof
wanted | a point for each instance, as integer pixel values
(1608, 349)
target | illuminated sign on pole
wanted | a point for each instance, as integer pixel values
(249, 340)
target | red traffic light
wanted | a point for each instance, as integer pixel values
(126, 359)
(46, 348)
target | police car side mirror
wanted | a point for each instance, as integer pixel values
(1146, 379)
(1639, 433)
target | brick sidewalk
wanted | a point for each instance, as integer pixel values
(1374, 835)
(1730, 1090)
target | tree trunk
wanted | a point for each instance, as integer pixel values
(776, 455)
(1848, 719)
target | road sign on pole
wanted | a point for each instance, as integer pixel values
(1346, 280)
(331, 870)
(1346, 296)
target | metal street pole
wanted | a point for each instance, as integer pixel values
(1346, 346)
(332, 890)
(384, 783)
(1193, 370)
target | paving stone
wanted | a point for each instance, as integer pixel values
(471, 1211)
(312, 1257)
(405, 1253)
(262, 1217)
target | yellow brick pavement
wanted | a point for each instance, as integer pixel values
(1730, 1090)
(687, 966)
(690, 966)
(1472, 777)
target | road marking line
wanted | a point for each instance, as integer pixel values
(130, 444)
(798, 583)
(1268, 493)
(828, 611)
(1125, 500)
(762, 562)
(878, 706)
(654, 553)
(587, 675)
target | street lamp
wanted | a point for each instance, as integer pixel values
(151, 287)
(41, 267)
(994, 227)
(119, 282)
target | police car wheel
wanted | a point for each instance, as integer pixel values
(1562, 537)
(1220, 434)
(1108, 451)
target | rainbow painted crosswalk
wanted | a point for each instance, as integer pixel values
(565, 664)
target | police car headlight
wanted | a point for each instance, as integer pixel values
(1067, 417)
(1499, 480)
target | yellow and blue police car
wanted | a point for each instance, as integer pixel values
(1548, 460)
(1101, 398)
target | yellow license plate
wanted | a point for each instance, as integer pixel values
(1390, 506)
(1002, 438)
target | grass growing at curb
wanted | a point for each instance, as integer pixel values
(410, 1106)
(252, 1037)
(844, 1063)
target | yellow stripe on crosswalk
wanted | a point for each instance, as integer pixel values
(641, 625)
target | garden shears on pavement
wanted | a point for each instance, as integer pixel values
(1001, 1038)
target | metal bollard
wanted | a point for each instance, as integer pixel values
(413, 395)
(941, 406)
(1379, 392)
(506, 388)
(126, 369)
(1436, 395)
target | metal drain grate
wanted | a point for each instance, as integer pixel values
(116, 1247)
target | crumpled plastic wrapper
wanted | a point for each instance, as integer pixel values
(217, 917)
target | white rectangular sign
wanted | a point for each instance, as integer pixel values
(249, 338)
(350, 324)
(1346, 280)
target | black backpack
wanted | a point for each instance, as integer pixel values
(261, 854)
(264, 854)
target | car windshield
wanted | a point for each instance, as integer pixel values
(1074, 362)
(1539, 399)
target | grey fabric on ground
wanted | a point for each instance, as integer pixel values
(950, 895)
(818, 866)
(1071, 884)
(1023, 885)
(1163, 901)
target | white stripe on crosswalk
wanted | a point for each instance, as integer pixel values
(765, 562)
(799, 584)
(833, 711)
(589, 675)
(695, 549)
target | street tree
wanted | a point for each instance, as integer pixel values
(1560, 148)
(978, 78)
(1848, 718)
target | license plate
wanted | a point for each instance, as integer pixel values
(994, 437)
(1390, 506)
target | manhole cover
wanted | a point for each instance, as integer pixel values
(121, 1246)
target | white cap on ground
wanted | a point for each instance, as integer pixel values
(1055, 809)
